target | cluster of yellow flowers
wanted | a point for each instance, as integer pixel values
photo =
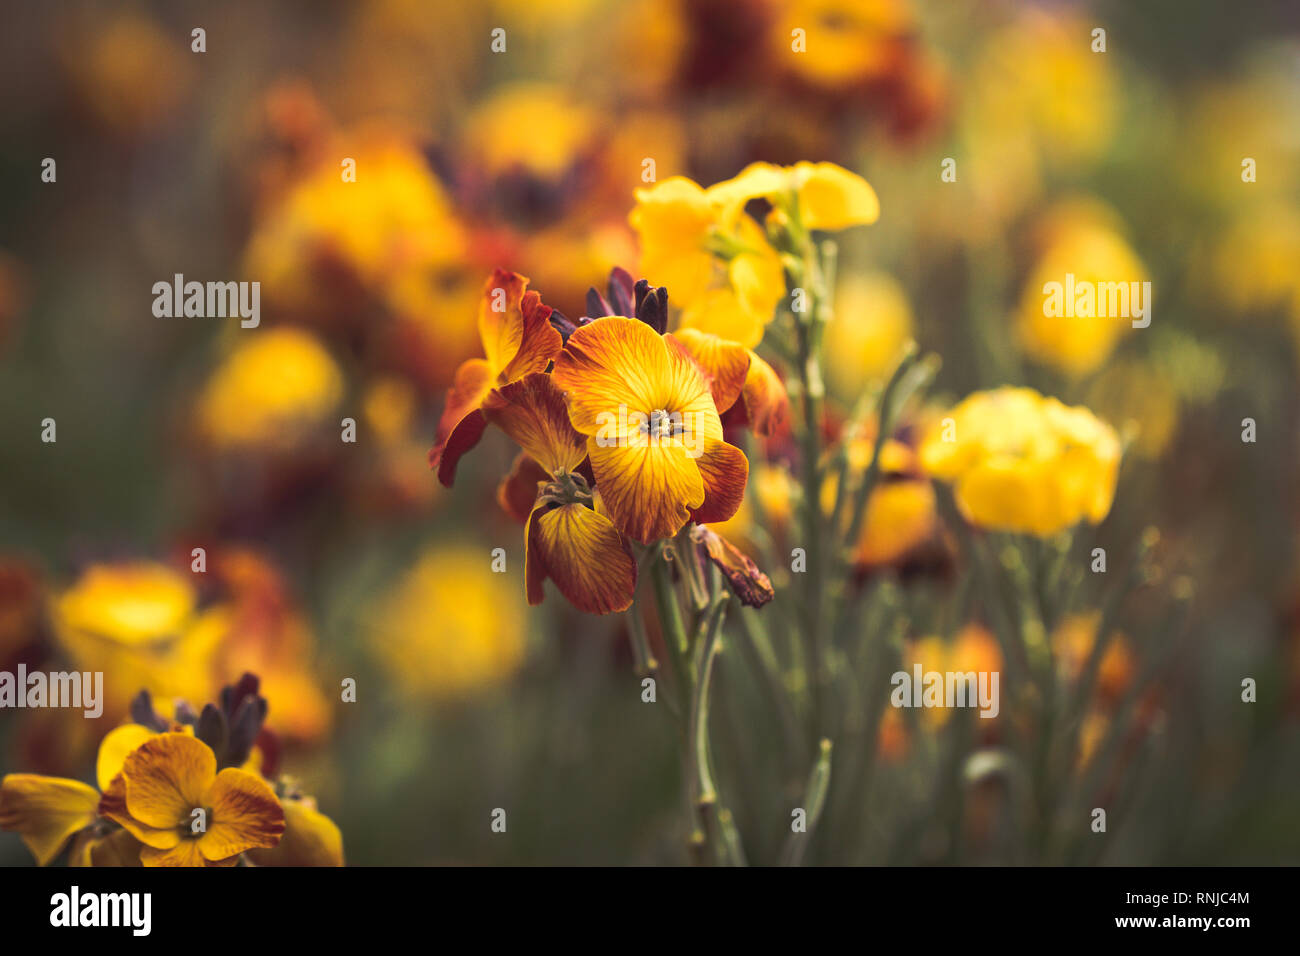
(184, 791)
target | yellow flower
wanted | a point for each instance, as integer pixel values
(395, 220)
(275, 389)
(1072, 645)
(974, 648)
(871, 327)
(536, 128)
(568, 536)
(450, 627)
(171, 798)
(654, 436)
(48, 811)
(138, 622)
(827, 197)
(848, 41)
(714, 260)
(1024, 463)
(1082, 242)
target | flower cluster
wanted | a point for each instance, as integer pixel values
(188, 790)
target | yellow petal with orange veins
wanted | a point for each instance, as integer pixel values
(500, 317)
(725, 363)
(610, 364)
(540, 341)
(832, 198)
(725, 469)
(648, 487)
(532, 411)
(184, 853)
(113, 806)
(310, 839)
(166, 778)
(245, 813)
(764, 400)
(45, 811)
(584, 555)
(113, 749)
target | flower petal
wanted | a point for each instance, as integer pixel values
(166, 778)
(461, 424)
(832, 198)
(500, 317)
(310, 839)
(184, 853)
(611, 363)
(764, 404)
(113, 749)
(113, 806)
(647, 487)
(532, 411)
(45, 811)
(724, 469)
(726, 364)
(118, 848)
(584, 555)
(245, 814)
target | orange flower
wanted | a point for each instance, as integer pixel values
(517, 339)
(171, 798)
(654, 436)
(568, 538)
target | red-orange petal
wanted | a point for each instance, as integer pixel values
(532, 411)
(540, 342)
(764, 399)
(461, 424)
(725, 469)
(517, 492)
(581, 551)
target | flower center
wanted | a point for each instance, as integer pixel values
(663, 424)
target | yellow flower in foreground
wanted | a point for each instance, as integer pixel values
(48, 811)
(654, 436)
(276, 387)
(449, 627)
(1020, 462)
(171, 798)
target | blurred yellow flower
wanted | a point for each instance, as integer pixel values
(1038, 98)
(450, 627)
(1024, 463)
(847, 41)
(272, 390)
(536, 128)
(974, 648)
(392, 221)
(1079, 241)
(138, 623)
(866, 336)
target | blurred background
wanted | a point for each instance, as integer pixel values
(327, 560)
